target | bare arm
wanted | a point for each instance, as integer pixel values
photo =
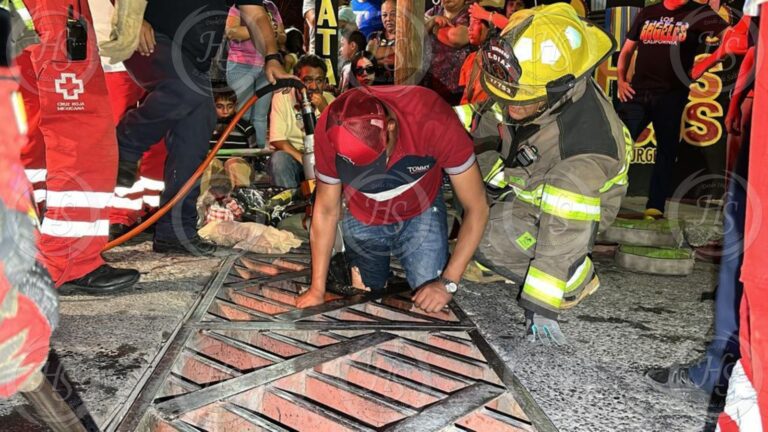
(471, 193)
(469, 188)
(263, 38)
(235, 30)
(454, 36)
(626, 92)
(281, 37)
(627, 51)
(325, 217)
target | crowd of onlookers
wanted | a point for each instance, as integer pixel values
(366, 57)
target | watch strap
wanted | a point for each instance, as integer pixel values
(273, 56)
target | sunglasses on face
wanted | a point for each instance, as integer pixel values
(365, 70)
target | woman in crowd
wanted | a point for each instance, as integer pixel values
(245, 68)
(447, 25)
(382, 44)
(364, 69)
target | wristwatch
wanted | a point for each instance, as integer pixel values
(450, 285)
(273, 56)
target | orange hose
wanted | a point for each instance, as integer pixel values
(201, 169)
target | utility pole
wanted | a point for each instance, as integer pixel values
(409, 40)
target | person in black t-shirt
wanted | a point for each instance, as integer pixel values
(176, 44)
(666, 37)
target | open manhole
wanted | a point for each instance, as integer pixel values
(246, 359)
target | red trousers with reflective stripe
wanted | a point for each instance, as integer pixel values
(128, 206)
(32, 156)
(73, 137)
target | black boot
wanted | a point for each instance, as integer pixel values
(117, 230)
(127, 173)
(106, 280)
(193, 246)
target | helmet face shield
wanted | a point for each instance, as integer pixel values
(502, 73)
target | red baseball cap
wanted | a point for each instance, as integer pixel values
(357, 127)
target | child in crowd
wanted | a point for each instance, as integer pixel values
(469, 78)
(224, 179)
(352, 42)
(243, 136)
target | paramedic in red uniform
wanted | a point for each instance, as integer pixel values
(72, 146)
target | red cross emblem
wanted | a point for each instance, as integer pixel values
(68, 86)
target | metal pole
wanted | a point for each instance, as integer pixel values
(51, 408)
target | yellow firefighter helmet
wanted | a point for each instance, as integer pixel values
(541, 53)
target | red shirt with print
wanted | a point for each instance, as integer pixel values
(430, 141)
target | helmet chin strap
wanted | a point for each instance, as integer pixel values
(509, 121)
(556, 90)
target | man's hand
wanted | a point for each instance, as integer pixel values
(441, 21)
(147, 40)
(436, 23)
(275, 71)
(318, 101)
(478, 12)
(311, 297)
(432, 297)
(626, 92)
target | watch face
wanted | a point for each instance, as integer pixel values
(451, 287)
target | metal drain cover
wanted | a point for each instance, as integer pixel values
(246, 359)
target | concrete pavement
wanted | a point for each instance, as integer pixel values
(632, 323)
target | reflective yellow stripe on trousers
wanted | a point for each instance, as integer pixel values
(544, 287)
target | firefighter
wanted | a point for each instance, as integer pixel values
(28, 304)
(72, 147)
(563, 161)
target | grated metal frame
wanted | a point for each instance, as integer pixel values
(245, 358)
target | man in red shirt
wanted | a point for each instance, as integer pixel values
(386, 149)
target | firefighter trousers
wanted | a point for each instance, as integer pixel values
(541, 237)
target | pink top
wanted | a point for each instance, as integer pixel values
(243, 51)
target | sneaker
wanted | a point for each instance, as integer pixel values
(117, 230)
(653, 214)
(193, 246)
(675, 380)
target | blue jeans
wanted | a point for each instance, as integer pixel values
(285, 171)
(420, 243)
(713, 371)
(245, 79)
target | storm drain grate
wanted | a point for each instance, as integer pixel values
(247, 359)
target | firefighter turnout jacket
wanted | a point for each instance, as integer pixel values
(546, 215)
